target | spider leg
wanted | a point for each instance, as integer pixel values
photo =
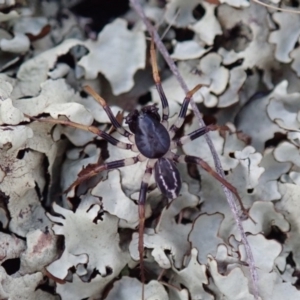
(93, 170)
(108, 111)
(178, 123)
(141, 203)
(92, 129)
(158, 85)
(194, 135)
(199, 161)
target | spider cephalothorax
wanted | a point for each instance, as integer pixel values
(152, 139)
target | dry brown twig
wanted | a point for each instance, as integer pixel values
(160, 46)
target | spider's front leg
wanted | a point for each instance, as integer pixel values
(108, 111)
(178, 123)
(109, 138)
(156, 77)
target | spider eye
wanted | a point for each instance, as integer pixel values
(152, 111)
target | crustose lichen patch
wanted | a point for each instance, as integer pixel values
(83, 242)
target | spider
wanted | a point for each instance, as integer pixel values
(152, 139)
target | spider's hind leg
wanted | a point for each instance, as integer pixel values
(108, 111)
(204, 165)
(141, 203)
(93, 170)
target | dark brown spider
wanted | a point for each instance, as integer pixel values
(152, 139)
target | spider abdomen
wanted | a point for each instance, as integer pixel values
(151, 137)
(167, 177)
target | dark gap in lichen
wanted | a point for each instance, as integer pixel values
(11, 265)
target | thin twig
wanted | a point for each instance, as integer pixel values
(292, 11)
(160, 46)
